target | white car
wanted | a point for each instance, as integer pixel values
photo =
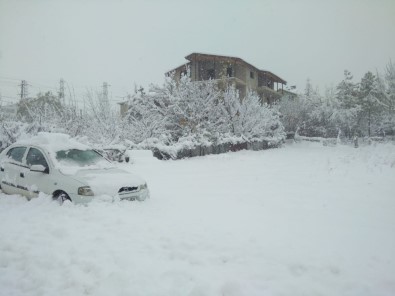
(61, 167)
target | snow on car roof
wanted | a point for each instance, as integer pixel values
(54, 142)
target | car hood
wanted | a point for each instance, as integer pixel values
(108, 181)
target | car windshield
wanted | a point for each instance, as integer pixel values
(80, 158)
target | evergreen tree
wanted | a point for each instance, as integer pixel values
(370, 101)
(348, 112)
(387, 89)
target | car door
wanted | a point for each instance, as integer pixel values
(11, 168)
(35, 181)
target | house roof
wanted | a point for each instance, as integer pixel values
(191, 57)
(175, 69)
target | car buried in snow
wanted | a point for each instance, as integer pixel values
(65, 169)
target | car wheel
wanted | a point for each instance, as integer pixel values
(61, 197)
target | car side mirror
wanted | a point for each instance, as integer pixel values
(39, 168)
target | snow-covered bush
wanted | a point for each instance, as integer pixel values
(189, 113)
(249, 118)
(352, 109)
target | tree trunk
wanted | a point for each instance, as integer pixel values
(369, 123)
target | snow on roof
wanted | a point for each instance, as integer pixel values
(54, 142)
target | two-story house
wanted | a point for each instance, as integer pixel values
(226, 69)
(232, 70)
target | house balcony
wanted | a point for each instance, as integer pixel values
(269, 94)
(226, 80)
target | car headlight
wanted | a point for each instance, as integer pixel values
(86, 190)
(143, 186)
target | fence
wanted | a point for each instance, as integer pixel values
(215, 149)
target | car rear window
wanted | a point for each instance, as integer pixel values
(16, 153)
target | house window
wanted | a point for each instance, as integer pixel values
(183, 73)
(252, 75)
(229, 72)
(210, 74)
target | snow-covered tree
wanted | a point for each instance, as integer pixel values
(146, 117)
(229, 104)
(349, 108)
(257, 121)
(104, 122)
(390, 86)
(370, 101)
(297, 113)
(187, 106)
(387, 89)
(323, 114)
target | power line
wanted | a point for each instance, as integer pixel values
(43, 85)
(33, 86)
(8, 82)
(8, 97)
(8, 102)
(9, 78)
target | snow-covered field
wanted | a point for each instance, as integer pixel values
(300, 220)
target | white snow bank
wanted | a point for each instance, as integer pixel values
(301, 220)
(140, 156)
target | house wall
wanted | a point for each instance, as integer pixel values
(265, 81)
(252, 83)
(201, 68)
(124, 108)
(177, 73)
(242, 90)
(193, 69)
(240, 72)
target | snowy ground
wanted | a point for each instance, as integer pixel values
(300, 220)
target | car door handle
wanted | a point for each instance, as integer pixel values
(22, 175)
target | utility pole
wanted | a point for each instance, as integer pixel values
(104, 98)
(23, 86)
(105, 91)
(61, 90)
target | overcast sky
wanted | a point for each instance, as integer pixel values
(131, 42)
